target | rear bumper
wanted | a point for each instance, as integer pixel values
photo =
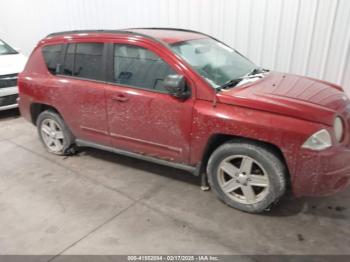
(322, 173)
(8, 98)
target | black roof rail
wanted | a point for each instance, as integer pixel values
(125, 31)
(129, 31)
(109, 31)
(167, 28)
(121, 31)
(90, 31)
(177, 29)
(173, 29)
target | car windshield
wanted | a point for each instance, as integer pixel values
(5, 49)
(213, 60)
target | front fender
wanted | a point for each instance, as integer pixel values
(286, 133)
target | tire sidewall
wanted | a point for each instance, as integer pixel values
(273, 166)
(68, 137)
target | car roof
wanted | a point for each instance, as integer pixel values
(167, 35)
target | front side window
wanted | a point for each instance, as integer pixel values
(214, 61)
(138, 67)
(5, 49)
(51, 55)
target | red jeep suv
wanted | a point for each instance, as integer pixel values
(184, 99)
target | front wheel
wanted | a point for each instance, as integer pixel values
(246, 175)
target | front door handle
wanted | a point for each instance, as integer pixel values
(120, 98)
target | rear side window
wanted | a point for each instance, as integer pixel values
(69, 60)
(52, 56)
(88, 61)
(84, 60)
(138, 67)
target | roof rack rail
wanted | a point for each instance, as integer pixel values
(167, 28)
(125, 31)
(90, 31)
(129, 31)
(109, 31)
(177, 29)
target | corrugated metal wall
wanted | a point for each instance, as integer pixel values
(309, 37)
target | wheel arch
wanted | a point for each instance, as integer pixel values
(217, 140)
(37, 108)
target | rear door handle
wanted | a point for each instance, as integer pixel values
(120, 98)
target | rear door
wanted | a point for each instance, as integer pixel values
(82, 80)
(142, 116)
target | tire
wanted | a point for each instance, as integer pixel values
(246, 175)
(50, 125)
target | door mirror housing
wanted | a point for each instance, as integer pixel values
(176, 86)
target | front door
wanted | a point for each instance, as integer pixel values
(142, 116)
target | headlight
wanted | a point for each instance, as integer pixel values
(338, 129)
(318, 141)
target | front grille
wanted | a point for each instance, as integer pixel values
(8, 80)
(8, 100)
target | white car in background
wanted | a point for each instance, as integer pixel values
(11, 63)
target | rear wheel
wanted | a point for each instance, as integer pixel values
(246, 176)
(54, 133)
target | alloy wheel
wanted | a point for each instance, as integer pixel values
(52, 135)
(243, 179)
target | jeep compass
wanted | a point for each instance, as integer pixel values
(187, 100)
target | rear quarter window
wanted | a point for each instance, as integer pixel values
(52, 55)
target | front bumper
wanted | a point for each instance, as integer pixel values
(322, 173)
(8, 98)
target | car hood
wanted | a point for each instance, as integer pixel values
(290, 95)
(11, 64)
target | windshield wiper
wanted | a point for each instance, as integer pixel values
(257, 70)
(231, 83)
(234, 82)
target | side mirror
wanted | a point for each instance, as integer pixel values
(176, 86)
